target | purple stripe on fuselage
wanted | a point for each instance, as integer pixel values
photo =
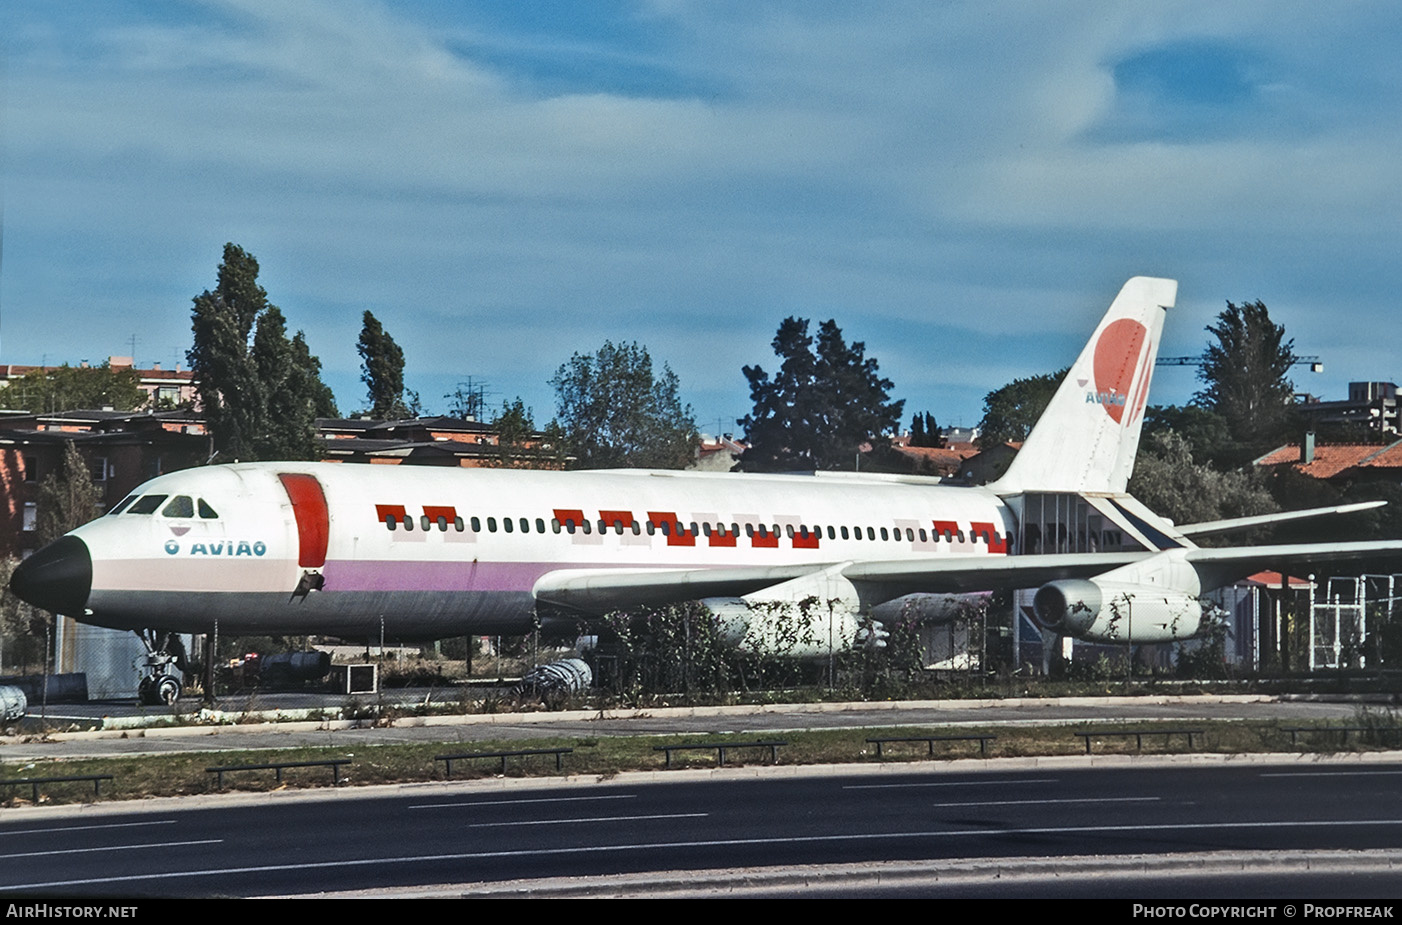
(386, 575)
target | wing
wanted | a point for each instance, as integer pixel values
(602, 590)
(1218, 567)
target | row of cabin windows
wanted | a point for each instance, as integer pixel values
(568, 525)
(179, 506)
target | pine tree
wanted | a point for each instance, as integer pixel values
(67, 497)
(382, 371)
(259, 392)
(827, 401)
(1246, 374)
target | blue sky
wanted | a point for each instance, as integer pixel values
(962, 186)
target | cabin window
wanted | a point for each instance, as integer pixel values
(525, 525)
(424, 522)
(706, 529)
(884, 536)
(540, 525)
(442, 524)
(147, 505)
(491, 525)
(832, 534)
(476, 525)
(506, 524)
(844, 533)
(555, 525)
(637, 528)
(457, 524)
(408, 523)
(871, 533)
(922, 535)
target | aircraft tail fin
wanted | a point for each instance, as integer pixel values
(1087, 438)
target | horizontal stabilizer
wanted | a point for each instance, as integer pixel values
(1245, 523)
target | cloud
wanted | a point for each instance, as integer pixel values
(956, 183)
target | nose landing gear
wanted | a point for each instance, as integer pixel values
(162, 668)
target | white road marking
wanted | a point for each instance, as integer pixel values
(717, 843)
(621, 796)
(164, 844)
(85, 828)
(957, 783)
(496, 825)
(1052, 802)
(1340, 773)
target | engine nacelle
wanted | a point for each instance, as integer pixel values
(808, 617)
(1113, 611)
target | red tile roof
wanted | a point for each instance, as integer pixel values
(1331, 460)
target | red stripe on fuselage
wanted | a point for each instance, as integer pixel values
(313, 520)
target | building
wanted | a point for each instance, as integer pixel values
(122, 450)
(430, 441)
(1372, 405)
(165, 388)
(1345, 462)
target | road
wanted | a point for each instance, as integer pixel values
(1071, 826)
(939, 819)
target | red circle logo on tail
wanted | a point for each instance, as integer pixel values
(1117, 356)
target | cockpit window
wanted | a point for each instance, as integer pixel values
(206, 511)
(147, 505)
(121, 507)
(180, 506)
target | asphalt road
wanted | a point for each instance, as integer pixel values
(1153, 819)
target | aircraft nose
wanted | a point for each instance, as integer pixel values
(57, 577)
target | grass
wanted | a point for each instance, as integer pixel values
(181, 774)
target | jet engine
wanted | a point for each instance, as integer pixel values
(1114, 611)
(808, 617)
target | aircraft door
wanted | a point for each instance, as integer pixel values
(313, 528)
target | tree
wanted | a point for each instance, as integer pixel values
(1170, 482)
(924, 431)
(519, 445)
(66, 388)
(613, 411)
(1009, 413)
(1245, 374)
(260, 393)
(826, 402)
(382, 371)
(67, 497)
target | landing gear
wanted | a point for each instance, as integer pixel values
(162, 668)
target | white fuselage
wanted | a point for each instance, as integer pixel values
(432, 552)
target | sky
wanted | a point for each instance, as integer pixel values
(962, 186)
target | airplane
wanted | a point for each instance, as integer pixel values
(788, 563)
